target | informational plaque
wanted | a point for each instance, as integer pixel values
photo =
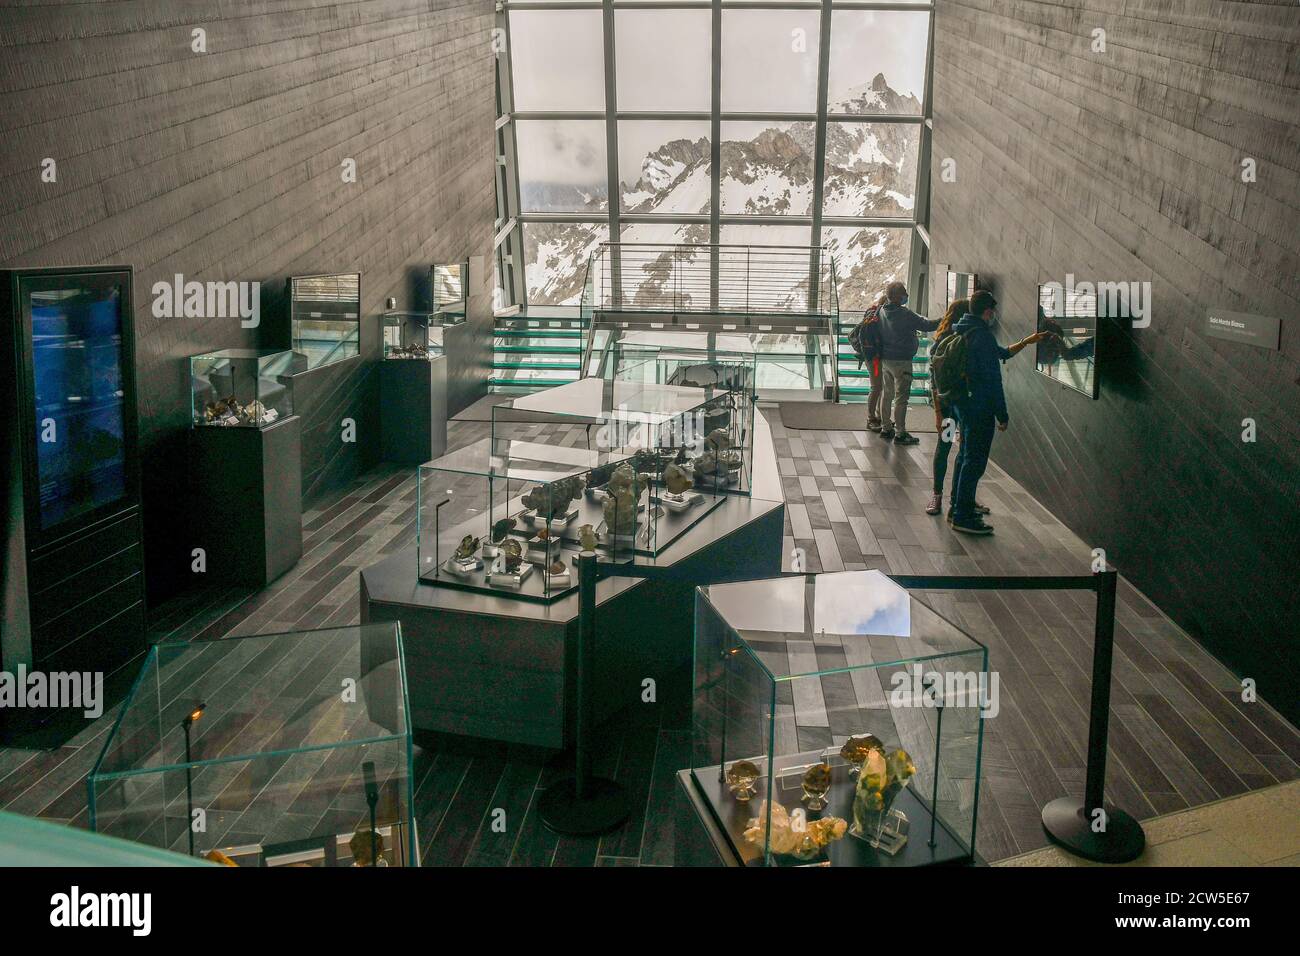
(1263, 331)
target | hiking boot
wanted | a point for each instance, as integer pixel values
(973, 525)
(887, 434)
(935, 504)
(906, 438)
(873, 424)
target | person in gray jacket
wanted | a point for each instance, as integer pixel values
(899, 327)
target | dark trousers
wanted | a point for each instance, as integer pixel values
(977, 427)
(942, 414)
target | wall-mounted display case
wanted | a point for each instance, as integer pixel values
(325, 317)
(417, 335)
(248, 388)
(837, 721)
(185, 769)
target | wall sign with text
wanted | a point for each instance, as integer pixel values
(1264, 331)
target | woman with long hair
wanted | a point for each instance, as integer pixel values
(945, 418)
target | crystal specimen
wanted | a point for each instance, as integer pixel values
(857, 747)
(741, 777)
(502, 528)
(468, 545)
(816, 784)
(587, 537)
(676, 480)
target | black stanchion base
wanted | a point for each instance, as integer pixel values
(1067, 827)
(602, 809)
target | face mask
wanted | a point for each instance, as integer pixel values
(992, 320)
(903, 301)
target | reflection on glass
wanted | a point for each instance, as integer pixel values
(664, 167)
(871, 169)
(80, 417)
(961, 285)
(767, 169)
(557, 59)
(562, 165)
(325, 313)
(663, 59)
(877, 61)
(247, 388)
(866, 260)
(769, 60)
(555, 259)
(1068, 354)
(449, 287)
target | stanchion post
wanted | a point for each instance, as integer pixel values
(1088, 827)
(584, 805)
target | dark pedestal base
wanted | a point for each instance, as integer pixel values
(413, 409)
(1069, 828)
(246, 501)
(602, 808)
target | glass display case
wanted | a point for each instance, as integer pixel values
(249, 388)
(516, 513)
(837, 722)
(707, 433)
(417, 335)
(272, 750)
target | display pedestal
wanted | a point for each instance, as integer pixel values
(246, 500)
(413, 409)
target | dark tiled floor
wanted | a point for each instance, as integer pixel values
(1180, 736)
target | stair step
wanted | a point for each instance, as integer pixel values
(527, 382)
(546, 349)
(548, 366)
(541, 333)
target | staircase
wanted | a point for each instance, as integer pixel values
(532, 354)
(854, 381)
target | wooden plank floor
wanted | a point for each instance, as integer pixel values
(1180, 736)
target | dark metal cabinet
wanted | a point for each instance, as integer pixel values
(73, 567)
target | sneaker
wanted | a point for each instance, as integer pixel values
(935, 505)
(982, 509)
(873, 424)
(887, 434)
(974, 525)
(906, 438)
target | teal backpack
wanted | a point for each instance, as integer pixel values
(948, 368)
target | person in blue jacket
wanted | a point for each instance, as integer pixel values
(982, 410)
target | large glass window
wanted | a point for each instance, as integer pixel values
(878, 61)
(562, 165)
(664, 166)
(557, 60)
(555, 259)
(871, 169)
(663, 59)
(758, 184)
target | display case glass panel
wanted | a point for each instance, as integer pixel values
(271, 750)
(837, 721)
(503, 516)
(80, 409)
(248, 388)
(417, 335)
(1069, 352)
(325, 314)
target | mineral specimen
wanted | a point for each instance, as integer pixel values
(361, 848)
(502, 528)
(468, 545)
(620, 512)
(548, 502)
(514, 555)
(587, 537)
(626, 479)
(741, 777)
(882, 779)
(676, 480)
(793, 836)
(816, 784)
(857, 747)
(557, 568)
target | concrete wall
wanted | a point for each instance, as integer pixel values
(1127, 165)
(225, 165)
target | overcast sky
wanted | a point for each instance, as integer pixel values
(769, 63)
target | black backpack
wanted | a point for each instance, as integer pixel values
(865, 338)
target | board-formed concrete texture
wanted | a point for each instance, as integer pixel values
(228, 165)
(1131, 164)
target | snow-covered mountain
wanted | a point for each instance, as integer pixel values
(871, 172)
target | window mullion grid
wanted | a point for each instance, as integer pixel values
(611, 150)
